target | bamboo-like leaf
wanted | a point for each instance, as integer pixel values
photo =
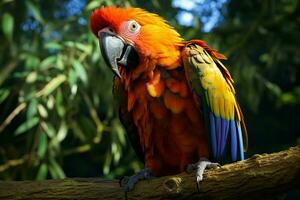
(32, 77)
(35, 11)
(53, 45)
(62, 132)
(59, 104)
(3, 94)
(49, 129)
(47, 62)
(42, 111)
(93, 5)
(55, 169)
(42, 145)
(80, 70)
(42, 172)
(31, 109)
(27, 125)
(52, 85)
(8, 25)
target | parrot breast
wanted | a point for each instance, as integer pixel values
(170, 125)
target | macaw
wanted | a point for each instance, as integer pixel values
(177, 100)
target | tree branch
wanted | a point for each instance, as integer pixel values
(262, 176)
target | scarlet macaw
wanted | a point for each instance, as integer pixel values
(177, 100)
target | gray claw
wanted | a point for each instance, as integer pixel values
(128, 183)
(200, 167)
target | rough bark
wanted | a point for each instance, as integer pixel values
(262, 176)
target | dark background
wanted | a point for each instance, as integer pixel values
(57, 114)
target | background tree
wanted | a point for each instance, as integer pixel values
(57, 116)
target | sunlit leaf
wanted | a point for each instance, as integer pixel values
(53, 45)
(52, 85)
(60, 62)
(47, 62)
(49, 129)
(50, 102)
(8, 25)
(42, 172)
(83, 47)
(107, 162)
(93, 5)
(32, 77)
(42, 111)
(62, 131)
(72, 79)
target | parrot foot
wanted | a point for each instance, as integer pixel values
(200, 166)
(128, 182)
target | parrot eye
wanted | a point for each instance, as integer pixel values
(133, 26)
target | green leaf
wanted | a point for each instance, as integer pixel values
(49, 129)
(42, 146)
(8, 25)
(72, 79)
(60, 62)
(47, 62)
(31, 77)
(27, 125)
(42, 111)
(52, 85)
(62, 131)
(53, 45)
(93, 5)
(32, 109)
(55, 169)
(80, 71)
(107, 162)
(4, 93)
(32, 62)
(42, 173)
(35, 11)
(275, 89)
(59, 104)
(83, 47)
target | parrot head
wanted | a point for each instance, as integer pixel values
(131, 36)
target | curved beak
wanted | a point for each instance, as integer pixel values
(116, 51)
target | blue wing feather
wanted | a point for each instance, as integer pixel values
(219, 136)
(240, 140)
(233, 140)
(224, 137)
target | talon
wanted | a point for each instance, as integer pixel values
(123, 181)
(198, 183)
(200, 167)
(128, 183)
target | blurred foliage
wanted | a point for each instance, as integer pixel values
(57, 114)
